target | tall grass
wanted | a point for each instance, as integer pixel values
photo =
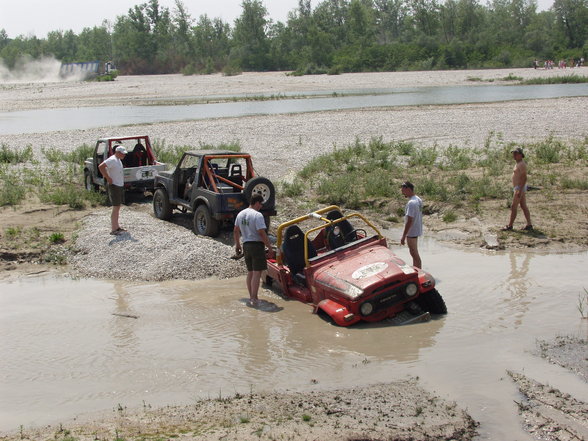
(76, 156)
(357, 174)
(15, 156)
(564, 79)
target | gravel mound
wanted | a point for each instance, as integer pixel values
(151, 250)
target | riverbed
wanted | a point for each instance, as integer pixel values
(73, 346)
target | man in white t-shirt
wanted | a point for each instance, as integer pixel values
(413, 222)
(112, 170)
(250, 225)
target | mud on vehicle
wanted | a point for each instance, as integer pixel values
(140, 164)
(214, 186)
(341, 265)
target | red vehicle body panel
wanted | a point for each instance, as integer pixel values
(339, 281)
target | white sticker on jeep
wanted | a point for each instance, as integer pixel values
(369, 270)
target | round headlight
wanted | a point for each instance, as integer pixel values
(411, 289)
(367, 308)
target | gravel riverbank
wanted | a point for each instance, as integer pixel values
(151, 250)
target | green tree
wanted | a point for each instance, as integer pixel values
(212, 43)
(94, 44)
(572, 18)
(250, 41)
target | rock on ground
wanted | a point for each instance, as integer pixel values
(150, 250)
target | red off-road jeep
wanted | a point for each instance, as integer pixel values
(342, 266)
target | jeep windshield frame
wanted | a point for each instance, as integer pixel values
(317, 215)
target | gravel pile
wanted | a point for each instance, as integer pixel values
(151, 250)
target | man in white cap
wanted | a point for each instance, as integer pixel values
(112, 170)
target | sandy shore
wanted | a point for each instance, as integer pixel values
(141, 90)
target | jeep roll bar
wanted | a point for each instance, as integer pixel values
(316, 215)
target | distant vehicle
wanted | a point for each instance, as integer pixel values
(215, 186)
(88, 70)
(347, 274)
(140, 164)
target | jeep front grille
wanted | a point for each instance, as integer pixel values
(388, 298)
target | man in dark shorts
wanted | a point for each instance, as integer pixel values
(250, 225)
(112, 170)
(413, 222)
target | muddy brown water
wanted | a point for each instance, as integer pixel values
(71, 346)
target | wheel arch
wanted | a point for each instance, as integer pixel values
(336, 312)
(200, 201)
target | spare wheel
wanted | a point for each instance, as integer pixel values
(262, 186)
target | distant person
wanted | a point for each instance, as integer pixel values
(250, 225)
(413, 222)
(112, 170)
(519, 183)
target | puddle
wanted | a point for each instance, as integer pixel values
(75, 346)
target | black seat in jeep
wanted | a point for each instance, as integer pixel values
(293, 248)
(348, 233)
(236, 174)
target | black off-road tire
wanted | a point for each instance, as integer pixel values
(161, 206)
(267, 281)
(90, 186)
(267, 219)
(204, 224)
(263, 186)
(432, 302)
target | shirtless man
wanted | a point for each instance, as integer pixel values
(519, 183)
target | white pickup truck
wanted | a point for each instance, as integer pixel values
(140, 164)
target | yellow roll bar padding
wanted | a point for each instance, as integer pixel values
(316, 215)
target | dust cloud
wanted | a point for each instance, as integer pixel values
(29, 70)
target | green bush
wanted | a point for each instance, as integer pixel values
(76, 156)
(294, 189)
(71, 195)
(425, 156)
(449, 217)
(548, 151)
(571, 183)
(455, 158)
(14, 156)
(564, 79)
(56, 238)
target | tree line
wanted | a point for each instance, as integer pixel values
(336, 36)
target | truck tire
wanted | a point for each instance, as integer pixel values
(89, 184)
(267, 219)
(204, 223)
(161, 205)
(264, 187)
(432, 302)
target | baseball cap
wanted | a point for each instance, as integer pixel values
(518, 150)
(407, 184)
(120, 149)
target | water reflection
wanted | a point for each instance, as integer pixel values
(518, 285)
